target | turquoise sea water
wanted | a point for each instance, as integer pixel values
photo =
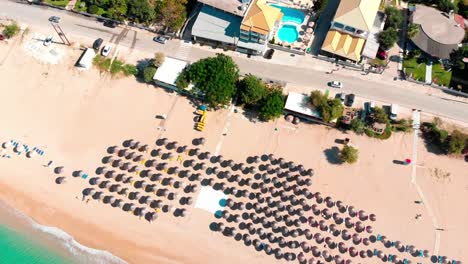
(17, 248)
(23, 241)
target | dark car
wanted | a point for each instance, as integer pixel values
(109, 23)
(269, 54)
(160, 39)
(54, 19)
(350, 100)
(97, 43)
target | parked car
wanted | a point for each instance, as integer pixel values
(350, 100)
(110, 23)
(336, 84)
(269, 54)
(160, 39)
(394, 109)
(48, 40)
(106, 50)
(97, 43)
(54, 19)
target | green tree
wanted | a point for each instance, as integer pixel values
(215, 78)
(272, 105)
(380, 116)
(388, 38)
(182, 81)
(93, 9)
(11, 30)
(319, 5)
(140, 10)
(412, 30)
(117, 9)
(148, 73)
(171, 13)
(457, 57)
(349, 154)
(158, 59)
(457, 142)
(357, 125)
(99, 3)
(329, 109)
(251, 90)
(446, 5)
(394, 17)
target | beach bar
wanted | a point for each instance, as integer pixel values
(166, 75)
(298, 104)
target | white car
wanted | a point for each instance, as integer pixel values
(106, 50)
(336, 84)
(48, 40)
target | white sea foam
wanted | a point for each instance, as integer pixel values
(83, 253)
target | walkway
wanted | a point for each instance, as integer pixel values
(416, 123)
(428, 73)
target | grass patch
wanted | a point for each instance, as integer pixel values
(80, 6)
(414, 69)
(102, 63)
(59, 3)
(378, 62)
(440, 75)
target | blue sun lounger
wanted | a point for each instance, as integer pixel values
(84, 176)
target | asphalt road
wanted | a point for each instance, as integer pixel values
(406, 94)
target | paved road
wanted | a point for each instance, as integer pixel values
(403, 93)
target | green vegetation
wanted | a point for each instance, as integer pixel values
(319, 5)
(380, 116)
(214, 77)
(378, 62)
(414, 69)
(148, 73)
(80, 6)
(114, 67)
(11, 30)
(440, 76)
(454, 143)
(412, 30)
(349, 154)
(402, 125)
(272, 105)
(388, 38)
(394, 17)
(59, 3)
(458, 142)
(329, 109)
(158, 59)
(169, 13)
(252, 90)
(358, 126)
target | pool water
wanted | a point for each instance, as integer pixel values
(291, 14)
(288, 33)
(291, 19)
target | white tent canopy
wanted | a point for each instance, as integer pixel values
(86, 60)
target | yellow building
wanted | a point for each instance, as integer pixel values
(259, 22)
(353, 22)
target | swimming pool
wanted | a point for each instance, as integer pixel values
(291, 19)
(291, 14)
(288, 33)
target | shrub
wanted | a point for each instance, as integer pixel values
(457, 142)
(349, 154)
(129, 69)
(116, 67)
(394, 17)
(148, 74)
(182, 82)
(329, 109)
(357, 125)
(388, 38)
(93, 9)
(11, 30)
(403, 125)
(158, 59)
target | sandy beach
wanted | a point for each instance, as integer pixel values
(74, 116)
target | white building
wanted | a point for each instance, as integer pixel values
(86, 59)
(166, 75)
